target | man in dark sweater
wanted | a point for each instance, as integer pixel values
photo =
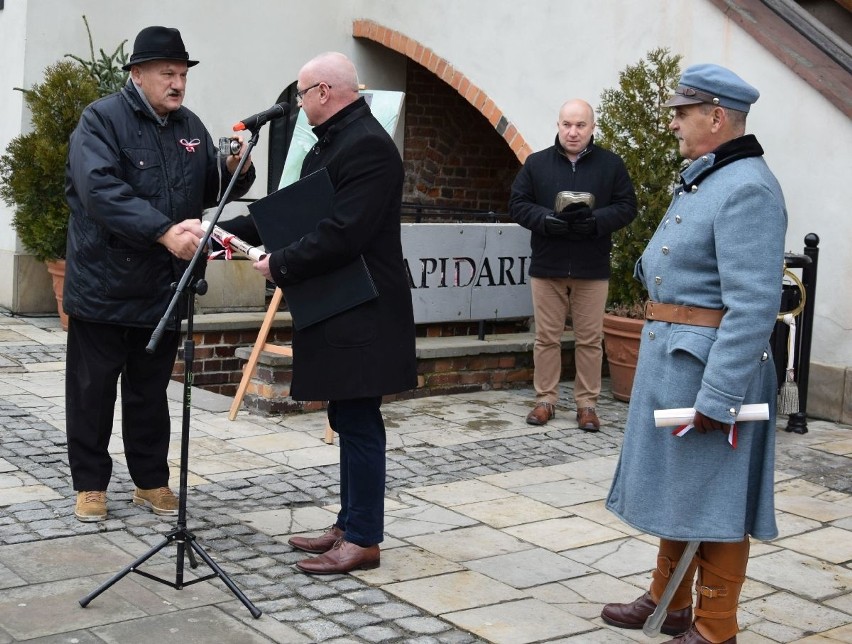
(570, 264)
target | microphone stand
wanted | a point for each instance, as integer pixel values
(185, 540)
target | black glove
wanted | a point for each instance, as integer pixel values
(555, 226)
(584, 228)
(576, 211)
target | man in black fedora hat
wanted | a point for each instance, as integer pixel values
(141, 169)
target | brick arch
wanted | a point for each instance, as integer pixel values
(424, 56)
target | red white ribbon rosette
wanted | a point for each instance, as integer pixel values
(681, 419)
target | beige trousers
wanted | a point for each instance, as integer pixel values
(553, 299)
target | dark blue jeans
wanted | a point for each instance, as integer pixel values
(361, 432)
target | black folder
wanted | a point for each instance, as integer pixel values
(287, 215)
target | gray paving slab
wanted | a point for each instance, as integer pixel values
(195, 626)
(800, 574)
(528, 620)
(467, 544)
(65, 558)
(40, 610)
(529, 568)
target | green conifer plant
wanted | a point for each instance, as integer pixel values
(32, 170)
(634, 125)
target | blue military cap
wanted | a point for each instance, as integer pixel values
(713, 84)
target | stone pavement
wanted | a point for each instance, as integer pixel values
(495, 530)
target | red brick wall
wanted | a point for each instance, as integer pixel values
(215, 367)
(453, 155)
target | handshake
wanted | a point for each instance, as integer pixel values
(574, 220)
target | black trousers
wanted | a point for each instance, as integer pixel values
(97, 354)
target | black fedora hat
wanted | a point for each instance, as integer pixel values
(158, 43)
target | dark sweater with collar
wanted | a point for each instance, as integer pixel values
(548, 172)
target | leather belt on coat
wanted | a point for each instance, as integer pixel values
(683, 314)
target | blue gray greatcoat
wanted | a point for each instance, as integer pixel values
(719, 246)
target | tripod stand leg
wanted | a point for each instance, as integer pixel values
(193, 562)
(120, 575)
(254, 610)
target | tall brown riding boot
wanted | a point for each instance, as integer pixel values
(679, 616)
(721, 573)
(667, 558)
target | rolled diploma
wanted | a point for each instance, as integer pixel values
(684, 415)
(226, 239)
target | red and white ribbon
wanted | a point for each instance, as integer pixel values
(681, 419)
(231, 243)
(732, 433)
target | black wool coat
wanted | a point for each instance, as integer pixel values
(367, 351)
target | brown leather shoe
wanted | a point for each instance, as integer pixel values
(91, 506)
(541, 413)
(317, 545)
(634, 614)
(692, 636)
(161, 500)
(587, 419)
(343, 557)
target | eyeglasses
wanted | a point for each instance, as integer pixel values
(300, 95)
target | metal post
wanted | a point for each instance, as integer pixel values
(798, 422)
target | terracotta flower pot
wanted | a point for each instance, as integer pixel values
(621, 339)
(56, 268)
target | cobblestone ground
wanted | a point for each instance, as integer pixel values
(322, 609)
(260, 566)
(334, 609)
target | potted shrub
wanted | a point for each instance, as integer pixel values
(634, 125)
(32, 170)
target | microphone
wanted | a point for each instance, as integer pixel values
(261, 118)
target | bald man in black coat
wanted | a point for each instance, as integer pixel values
(353, 358)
